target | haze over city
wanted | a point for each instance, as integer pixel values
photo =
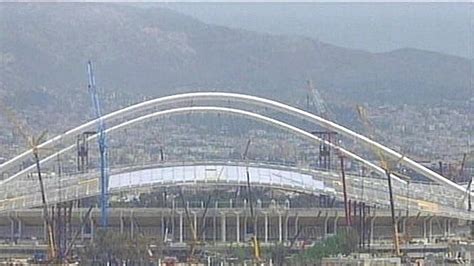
(236, 133)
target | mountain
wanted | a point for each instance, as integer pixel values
(156, 51)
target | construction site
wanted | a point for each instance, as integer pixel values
(66, 197)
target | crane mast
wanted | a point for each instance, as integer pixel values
(33, 143)
(387, 165)
(254, 240)
(315, 99)
(104, 167)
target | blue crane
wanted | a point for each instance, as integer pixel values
(104, 167)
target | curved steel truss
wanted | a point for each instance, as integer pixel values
(195, 98)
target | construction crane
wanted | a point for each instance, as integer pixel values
(387, 165)
(197, 233)
(465, 157)
(33, 144)
(78, 232)
(194, 234)
(104, 167)
(461, 177)
(314, 98)
(461, 167)
(254, 240)
(347, 211)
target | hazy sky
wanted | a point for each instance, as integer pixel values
(377, 27)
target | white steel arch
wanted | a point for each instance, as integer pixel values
(234, 97)
(212, 109)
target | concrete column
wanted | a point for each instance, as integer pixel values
(172, 224)
(427, 232)
(214, 222)
(296, 225)
(335, 223)
(223, 225)
(237, 227)
(448, 226)
(286, 227)
(203, 233)
(266, 228)
(245, 224)
(195, 224)
(255, 227)
(214, 227)
(132, 227)
(82, 233)
(430, 236)
(280, 229)
(424, 228)
(180, 227)
(404, 225)
(45, 232)
(92, 229)
(121, 223)
(325, 231)
(20, 229)
(163, 227)
(372, 223)
(12, 229)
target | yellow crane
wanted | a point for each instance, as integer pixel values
(197, 234)
(253, 239)
(387, 165)
(33, 143)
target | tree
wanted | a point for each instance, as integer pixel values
(344, 242)
(115, 248)
(277, 254)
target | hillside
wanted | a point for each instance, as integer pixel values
(153, 51)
